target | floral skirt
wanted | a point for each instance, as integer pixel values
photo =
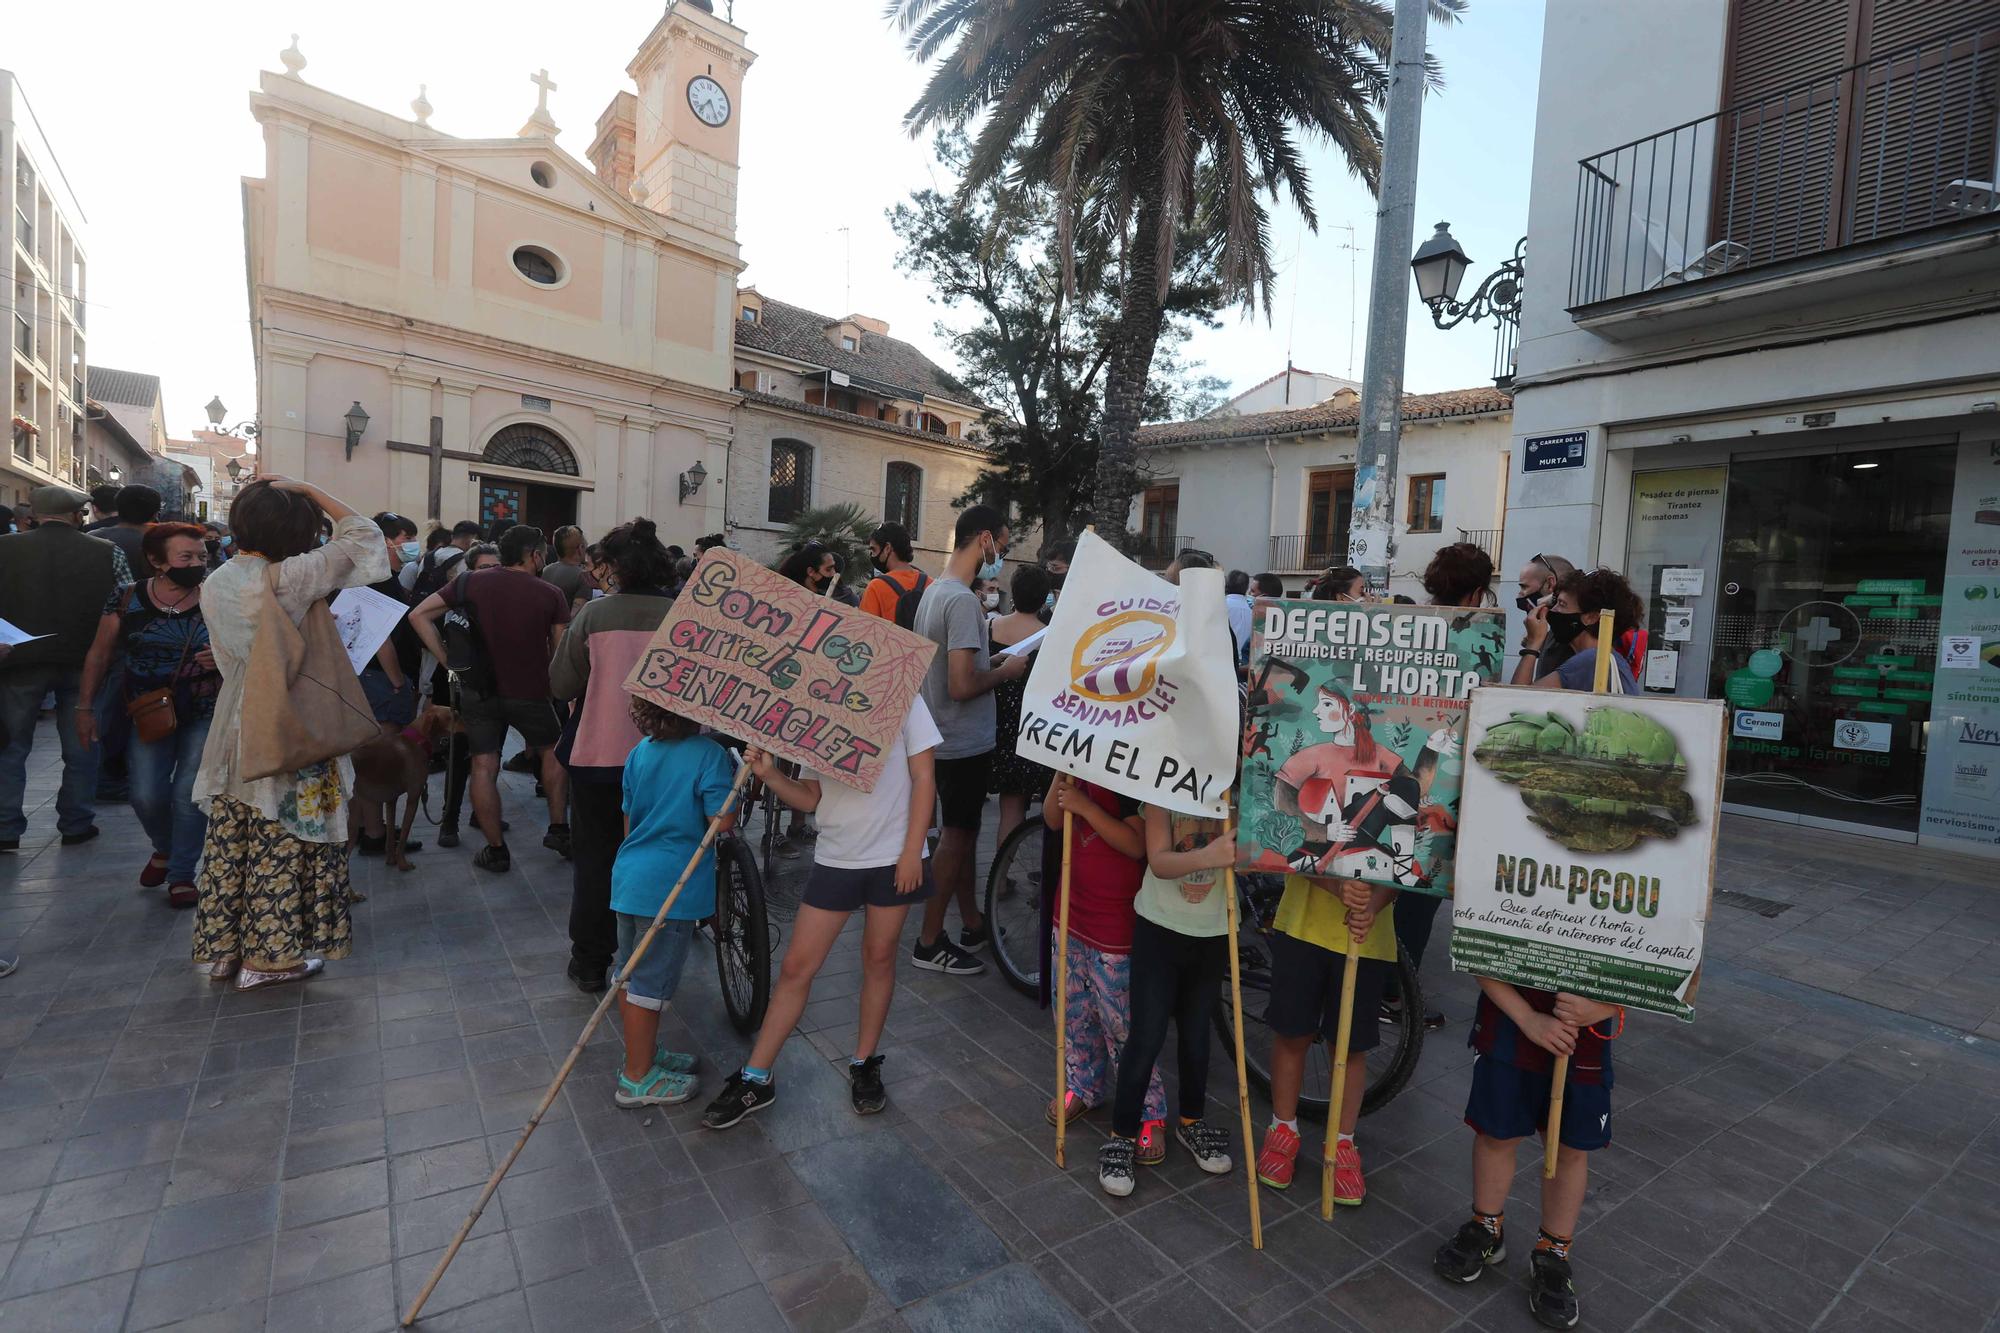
(267, 898)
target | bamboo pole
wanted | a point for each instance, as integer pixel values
(576, 1051)
(1350, 972)
(1062, 987)
(1242, 1074)
(1607, 648)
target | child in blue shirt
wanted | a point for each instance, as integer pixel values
(676, 781)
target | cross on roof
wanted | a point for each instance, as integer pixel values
(541, 80)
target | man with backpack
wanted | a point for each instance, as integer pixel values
(898, 585)
(517, 620)
(443, 563)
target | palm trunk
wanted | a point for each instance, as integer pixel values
(1132, 342)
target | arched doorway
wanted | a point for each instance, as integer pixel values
(507, 500)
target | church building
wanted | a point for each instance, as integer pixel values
(491, 328)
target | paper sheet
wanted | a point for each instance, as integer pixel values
(12, 634)
(1025, 646)
(365, 618)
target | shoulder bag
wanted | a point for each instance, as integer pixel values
(152, 712)
(302, 702)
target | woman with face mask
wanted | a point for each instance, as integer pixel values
(169, 666)
(1572, 620)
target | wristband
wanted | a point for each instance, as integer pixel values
(1615, 1035)
(1531, 652)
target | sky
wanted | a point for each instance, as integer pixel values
(150, 120)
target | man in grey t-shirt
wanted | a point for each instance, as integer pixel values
(958, 690)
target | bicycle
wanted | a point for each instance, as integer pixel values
(1016, 921)
(741, 931)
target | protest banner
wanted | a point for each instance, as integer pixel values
(1586, 843)
(1351, 750)
(754, 655)
(1135, 686)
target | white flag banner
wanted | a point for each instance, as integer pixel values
(1135, 685)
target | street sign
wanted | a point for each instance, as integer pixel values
(1552, 453)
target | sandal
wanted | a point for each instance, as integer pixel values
(155, 873)
(1078, 1108)
(182, 896)
(251, 979)
(223, 970)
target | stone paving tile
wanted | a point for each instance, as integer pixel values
(1814, 1152)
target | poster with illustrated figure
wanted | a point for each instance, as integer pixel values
(1586, 843)
(1352, 741)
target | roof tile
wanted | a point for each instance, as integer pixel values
(1336, 414)
(800, 335)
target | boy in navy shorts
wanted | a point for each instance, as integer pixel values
(1519, 1033)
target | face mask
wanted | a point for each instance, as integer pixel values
(213, 545)
(1526, 603)
(1565, 625)
(991, 600)
(1049, 602)
(228, 542)
(881, 565)
(187, 576)
(993, 568)
(410, 550)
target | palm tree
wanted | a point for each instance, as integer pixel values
(842, 529)
(1150, 116)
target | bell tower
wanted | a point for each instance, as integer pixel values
(685, 135)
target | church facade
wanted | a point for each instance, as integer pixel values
(491, 328)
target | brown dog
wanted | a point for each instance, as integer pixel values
(394, 766)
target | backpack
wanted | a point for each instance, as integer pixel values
(434, 575)
(906, 601)
(464, 649)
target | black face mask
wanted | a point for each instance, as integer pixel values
(881, 565)
(1526, 603)
(1565, 625)
(187, 576)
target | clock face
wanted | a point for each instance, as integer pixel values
(708, 100)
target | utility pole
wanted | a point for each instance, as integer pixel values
(1371, 532)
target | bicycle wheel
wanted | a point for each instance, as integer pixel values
(1014, 905)
(742, 935)
(1391, 1063)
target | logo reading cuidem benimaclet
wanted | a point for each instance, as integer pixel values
(1117, 659)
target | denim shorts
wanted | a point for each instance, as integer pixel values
(1511, 1103)
(833, 889)
(658, 975)
(391, 705)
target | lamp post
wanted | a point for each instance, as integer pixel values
(692, 479)
(357, 422)
(1439, 267)
(115, 475)
(246, 430)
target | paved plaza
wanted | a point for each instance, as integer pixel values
(1820, 1150)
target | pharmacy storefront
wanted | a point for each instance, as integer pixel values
(1845, 600)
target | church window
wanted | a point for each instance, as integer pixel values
(791, 480)
(531, 448)
(543, 175)
(538, 265)
(902, 494)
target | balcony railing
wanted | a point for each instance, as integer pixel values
(1898, 144)
(1308, 553)
(1486, 539)
(1157, 550)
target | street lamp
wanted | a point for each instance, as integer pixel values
(1439, 267)
(216, 412)
(357, 422)
(116, 474)
(235, 469)
(692, 479)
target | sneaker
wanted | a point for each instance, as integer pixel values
(1115, 1175)
(944, 956)
(448, 836)
(864, 1085)
(7, 966)
(1349, 1188)
(1152, 1148)
(557, 840)
(1551, 1292)
(496, 859)
(738, 1098)
(590, 980)
(76, 839)
(1205, 1143)
(525, 761)
(1433, 1020)
(658, 1087)
(674, 1062)
(1278, 1157)
(973, 938)
(1471, 1250)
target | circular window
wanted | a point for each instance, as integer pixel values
(543, 175)
(538, 265)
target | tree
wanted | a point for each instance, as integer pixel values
(842, 529)
(1150, 114)
(1037, 350)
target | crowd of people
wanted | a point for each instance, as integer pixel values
(149, 631)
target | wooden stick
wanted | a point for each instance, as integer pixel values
(1350, 971)
(1062, 995)
(1600, 683)
(576, 1051)
(1242, 1075)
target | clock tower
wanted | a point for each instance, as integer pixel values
(682, 133)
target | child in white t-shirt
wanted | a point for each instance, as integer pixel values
(871, 854)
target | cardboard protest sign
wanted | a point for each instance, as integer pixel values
(754, 655)
(1135, 685)
(1352, 743)
(1586, 843)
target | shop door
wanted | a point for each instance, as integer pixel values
(1827, 629)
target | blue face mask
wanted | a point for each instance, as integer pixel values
(992, 569)
(411, 550)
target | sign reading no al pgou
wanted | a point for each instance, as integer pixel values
(1552, 453)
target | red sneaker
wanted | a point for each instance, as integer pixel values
(1276, 1159)
(1348, 1186)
